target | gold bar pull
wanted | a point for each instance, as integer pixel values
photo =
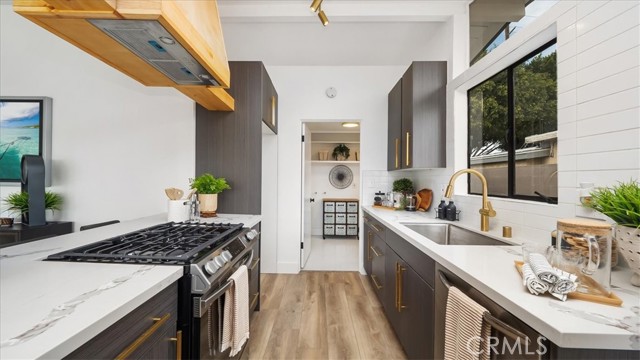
(397, 150)
(375, 252)
(369, 246)
(401, 269)
(178, 340)
(273, 110)
(157, 324)
(375, 282)
(408, 154)
(397, 283)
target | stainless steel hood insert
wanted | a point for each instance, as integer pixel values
(153, 43)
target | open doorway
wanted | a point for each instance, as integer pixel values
(330, 195)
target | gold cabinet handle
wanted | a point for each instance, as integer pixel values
(375, 282)
(377, 229)
(397, 272)
(376, 253)
(254, 300)
(178, 340)
(397, 150)
(408, 154)
(369, 245)
(157, 324)
(401, 269)
(273, 110)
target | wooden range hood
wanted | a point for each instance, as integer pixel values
(193, 24)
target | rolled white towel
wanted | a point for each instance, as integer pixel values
(566, 283)
(541, 267)
(531, 281)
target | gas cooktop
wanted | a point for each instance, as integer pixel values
(168, 244)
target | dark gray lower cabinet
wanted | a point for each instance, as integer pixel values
(408, 303)
(367, 256)
(148, 332)
(378, 249)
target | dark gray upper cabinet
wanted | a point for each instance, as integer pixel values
(394, 144)
(422, 117)
(229, 144)
(269, 102)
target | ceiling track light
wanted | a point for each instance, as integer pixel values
(323, 18)
(315, 5)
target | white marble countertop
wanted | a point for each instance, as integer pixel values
(490, 269)
(49, 309)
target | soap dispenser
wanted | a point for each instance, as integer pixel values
(441, 210)
(451, 211)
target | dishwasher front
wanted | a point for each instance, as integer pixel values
(510, 337)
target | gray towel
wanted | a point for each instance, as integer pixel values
(541, 267)
(531, 281)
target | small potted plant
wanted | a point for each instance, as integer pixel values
(405, 187)
(341, 152)
(19, 203)
(208, 187)
(621, 203)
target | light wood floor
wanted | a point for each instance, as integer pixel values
(320, 315)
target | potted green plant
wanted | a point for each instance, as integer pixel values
(208, 187)
(405, 187)
(621, 203)
(341, 152)
(19, 202)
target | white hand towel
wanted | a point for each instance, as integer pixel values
(566, 283)
(466, 332)
(541, 267)
(531, 281)
(235, 328)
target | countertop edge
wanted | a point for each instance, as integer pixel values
(565, 340)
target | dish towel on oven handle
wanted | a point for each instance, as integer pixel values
(235, 327)
(466, 334)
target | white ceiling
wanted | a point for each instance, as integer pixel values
(331, 127)
(361, 32)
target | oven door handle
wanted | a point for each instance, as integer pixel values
(206, 303)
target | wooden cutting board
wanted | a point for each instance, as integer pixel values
(425, 196)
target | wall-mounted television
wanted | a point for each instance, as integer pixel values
(25, 128)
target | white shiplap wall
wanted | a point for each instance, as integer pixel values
(598, 47)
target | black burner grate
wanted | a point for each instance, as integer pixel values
(170, 243)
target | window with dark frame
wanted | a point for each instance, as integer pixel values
(512, 129)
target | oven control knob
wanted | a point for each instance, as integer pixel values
(220, 261)
(252, 234)
(211, 267)
(226, 255)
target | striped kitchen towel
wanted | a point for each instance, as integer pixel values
(235, 328)
(466, 333)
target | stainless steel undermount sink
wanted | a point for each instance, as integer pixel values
(449, 234)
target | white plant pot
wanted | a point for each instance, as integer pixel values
(208, 205)
(629, 244)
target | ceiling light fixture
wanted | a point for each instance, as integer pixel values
(350, 124)
(316, 6)
(323, 18)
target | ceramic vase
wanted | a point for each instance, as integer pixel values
(628, 239)
(208, 205)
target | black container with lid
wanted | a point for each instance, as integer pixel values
(451, 211)
(440, 211)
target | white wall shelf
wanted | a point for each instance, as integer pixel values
(334, 142)
(333, 162)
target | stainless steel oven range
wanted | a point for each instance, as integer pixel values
(209, 253)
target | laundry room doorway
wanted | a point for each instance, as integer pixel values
(330, 195)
